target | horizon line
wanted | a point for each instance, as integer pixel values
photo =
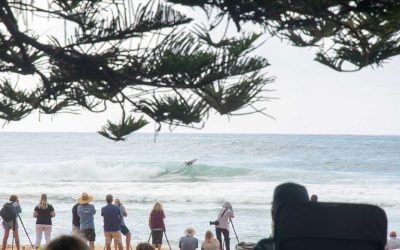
(196, 133)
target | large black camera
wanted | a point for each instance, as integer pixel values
(214, 222)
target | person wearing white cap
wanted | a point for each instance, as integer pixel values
(222, 227)
(188, 242)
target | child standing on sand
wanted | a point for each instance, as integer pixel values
(156, 224)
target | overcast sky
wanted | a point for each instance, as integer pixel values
(312, 99)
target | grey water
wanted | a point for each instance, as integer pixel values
(241, 168)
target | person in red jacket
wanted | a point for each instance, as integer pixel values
(156, 224)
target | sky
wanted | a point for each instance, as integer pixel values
(310, 99)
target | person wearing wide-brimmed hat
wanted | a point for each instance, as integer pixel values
(188, 242)
(222, 227)
(86, 212)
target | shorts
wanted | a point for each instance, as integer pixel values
(10, 225)
(116, 235)
(124, 230)
(89, 234)
(157, 236)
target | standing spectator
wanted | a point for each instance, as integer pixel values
(224, 216)
(156, 224)
(12, 224)
(188, 242)
(393, 242)
(75, 220)
(86, 214)
(43, 213)
(124, 229)
(210, 243)
(111, 217)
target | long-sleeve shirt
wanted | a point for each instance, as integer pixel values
(122, 212)
(223, 217)
(75, 217)
(156, 220)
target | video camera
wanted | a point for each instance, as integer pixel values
(214, 222)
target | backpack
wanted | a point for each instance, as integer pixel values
(8, 212)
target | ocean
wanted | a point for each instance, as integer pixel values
(241, 168)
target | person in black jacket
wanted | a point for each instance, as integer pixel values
(75, 220)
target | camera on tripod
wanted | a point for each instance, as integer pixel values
(214, 222)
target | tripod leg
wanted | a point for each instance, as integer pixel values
(233, 227)
(167, 241)
(26, 232)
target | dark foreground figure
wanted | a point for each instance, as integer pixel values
(303, 225)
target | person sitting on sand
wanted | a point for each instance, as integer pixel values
(43, 213)
(124, 229)
(188, 242)
(86, 214)
(156, 224)
(111, 217)
(224, 217)
(393, 242)
(314, 198)
(67, 242)
(12, 225)
(210, 243)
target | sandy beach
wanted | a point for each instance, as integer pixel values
(97, 247)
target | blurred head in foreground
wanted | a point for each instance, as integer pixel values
(67, 242)
(144, 246)
(287, 193)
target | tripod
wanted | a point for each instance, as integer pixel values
(19, 217)
(233, 227)
(167, 240)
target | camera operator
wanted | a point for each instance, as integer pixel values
(222, 224)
